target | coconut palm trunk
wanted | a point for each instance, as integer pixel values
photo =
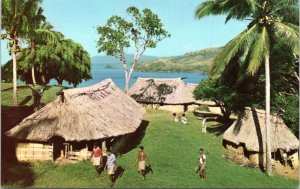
(14, 58)
(268, 122)
(32, 49)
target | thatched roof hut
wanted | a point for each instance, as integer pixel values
(89, 113)
(170, 91)
(250, 131)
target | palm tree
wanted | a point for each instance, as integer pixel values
(36, 17)
(15, 24)
(268, 26)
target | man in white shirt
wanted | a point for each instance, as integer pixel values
(111, 165)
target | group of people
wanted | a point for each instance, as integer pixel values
(107, 161)
(182, 119)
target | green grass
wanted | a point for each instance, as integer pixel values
(25, 95)
(172, 149)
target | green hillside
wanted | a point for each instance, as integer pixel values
(197, 61)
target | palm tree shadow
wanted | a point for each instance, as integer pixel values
(26, 100)
(218, 128)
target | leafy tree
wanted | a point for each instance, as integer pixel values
(253, 46)
(144, 31)
(15, 24)
(62, 61)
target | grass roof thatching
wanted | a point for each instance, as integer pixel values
(89, 113)
(250, 130)
(161, 91)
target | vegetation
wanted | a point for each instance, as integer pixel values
(60, 59)
(25, 94)
(269, 26)
(198, 61)
(16, 24)
(145, 31)
(172, 149)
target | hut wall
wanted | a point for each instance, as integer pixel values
(34, 151)
(254, 159)
(238, 150)
(215, 110)
(295, 160)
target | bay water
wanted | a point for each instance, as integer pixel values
(118, 77)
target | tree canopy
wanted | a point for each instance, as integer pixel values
(143, 31)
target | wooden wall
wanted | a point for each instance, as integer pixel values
(34, 151)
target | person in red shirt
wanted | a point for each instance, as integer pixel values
(96, 155)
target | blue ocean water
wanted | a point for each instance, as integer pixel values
(117, 75)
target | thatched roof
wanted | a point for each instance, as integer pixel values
(161, 91)
(192, 87)
(251, 131)
(89, 113)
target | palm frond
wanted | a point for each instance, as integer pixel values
(288, 32)
(210, 7)
(260, 49)
(239, 43)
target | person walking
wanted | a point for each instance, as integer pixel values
(204, 125)
(96, 157)
(111, 166)
(141, 158)
(202, 164)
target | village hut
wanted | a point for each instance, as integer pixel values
(75, 120)
(212, 106)
(247, 137)
(162, 93)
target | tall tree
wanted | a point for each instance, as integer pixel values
(14, 22)
(36, 17)
(268, 26)
(144, 31)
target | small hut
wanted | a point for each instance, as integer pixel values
(75, 120)
(211, 105)
(161, 93)
(247, 137)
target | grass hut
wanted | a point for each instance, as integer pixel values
(160, 93)
(247, 137)
(77, 118)
(211, 105)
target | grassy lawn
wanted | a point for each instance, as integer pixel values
(24, 94)
(172, 149)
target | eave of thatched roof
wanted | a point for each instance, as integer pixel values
(251, 132)
(161, 91)
(89, 113)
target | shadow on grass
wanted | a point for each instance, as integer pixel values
(118, 173)
(26, 100)
(133, 140)
(218, 128)
(13, 173)
(148, 169)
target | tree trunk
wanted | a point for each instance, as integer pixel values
(32, 47)
(14, 58)
(268, 122)
(33, 75)
(127, 80)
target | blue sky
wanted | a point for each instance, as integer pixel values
(78, 19)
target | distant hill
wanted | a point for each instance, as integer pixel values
(196, 61)
(105, 62)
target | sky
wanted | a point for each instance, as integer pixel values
(78, 20)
